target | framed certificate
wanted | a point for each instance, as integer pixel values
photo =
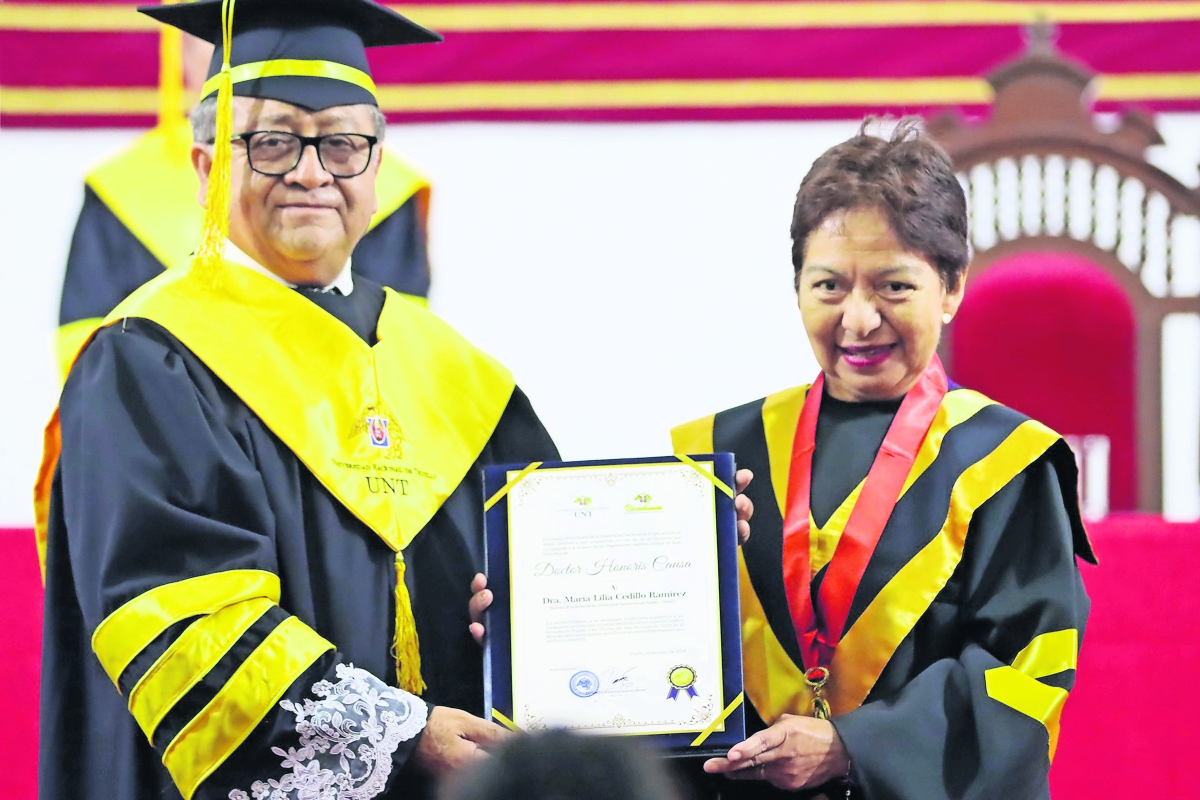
(615, 604)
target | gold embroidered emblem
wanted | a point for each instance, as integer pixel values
(380, 430)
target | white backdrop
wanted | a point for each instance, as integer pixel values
(631, 276)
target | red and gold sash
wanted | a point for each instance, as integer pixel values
(774, 683)
(819, 626)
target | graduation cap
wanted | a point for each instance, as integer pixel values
(309, 53)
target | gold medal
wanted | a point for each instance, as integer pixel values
(815, 679)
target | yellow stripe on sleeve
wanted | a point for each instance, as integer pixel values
(1049, 654)
(1018, 688)
(1029, 696)
(128, 630)
(213, 734)
(190, 658)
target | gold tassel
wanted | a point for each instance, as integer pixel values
(216, 198)
(407, 649)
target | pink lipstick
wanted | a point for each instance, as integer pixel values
(863, 356)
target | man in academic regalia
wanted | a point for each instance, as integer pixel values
(259, 508)
(140, 213)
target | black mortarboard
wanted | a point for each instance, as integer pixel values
(309, 53)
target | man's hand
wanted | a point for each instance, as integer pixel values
(453, 738)
(481, 596)
(745, 508)
(794, 753)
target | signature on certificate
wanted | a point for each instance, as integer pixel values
(618, 681)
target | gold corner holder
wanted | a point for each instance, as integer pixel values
(505, 721)
(717, 482)
(513, 481)
(729, 709)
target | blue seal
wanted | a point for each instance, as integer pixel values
(584, 683)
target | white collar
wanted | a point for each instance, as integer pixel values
(344, 282)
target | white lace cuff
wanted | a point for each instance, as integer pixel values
(347, 738)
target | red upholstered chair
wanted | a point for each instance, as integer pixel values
(1082, 248)
(1054, 335)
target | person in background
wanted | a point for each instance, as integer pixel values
(140, 214)
(559, 765)
(912, 609)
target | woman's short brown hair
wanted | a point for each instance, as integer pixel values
(908, 177)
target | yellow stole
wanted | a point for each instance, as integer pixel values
(151, 187)
(774, 683)
(389, 430)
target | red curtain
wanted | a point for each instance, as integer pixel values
(64, 63)
(1053, 336)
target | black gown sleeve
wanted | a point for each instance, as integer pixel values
(171, 543)
(984, 724)
(105, 264)
(520, 437)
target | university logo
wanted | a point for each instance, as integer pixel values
(583, 502)
(377, 429)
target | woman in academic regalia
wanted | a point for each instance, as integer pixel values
(911, 604)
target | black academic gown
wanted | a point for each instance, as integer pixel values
(941, 720)
(165, 474)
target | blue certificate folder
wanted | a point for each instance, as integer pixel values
(719, 733)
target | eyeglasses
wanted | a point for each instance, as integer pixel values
(276, 153)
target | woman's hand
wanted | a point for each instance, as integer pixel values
(794, 753)
(481, 596)
(745, 508)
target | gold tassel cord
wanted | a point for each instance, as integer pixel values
(217, 195)
(407, 648)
